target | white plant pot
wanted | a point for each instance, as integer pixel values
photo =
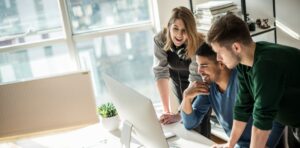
(111, 123)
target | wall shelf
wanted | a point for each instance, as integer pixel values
(258, 31)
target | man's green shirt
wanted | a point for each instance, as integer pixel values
(270, 89)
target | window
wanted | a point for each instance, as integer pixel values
(126, 57)
(35, 62)
(89, 15)
(107, 36)
(28, 21)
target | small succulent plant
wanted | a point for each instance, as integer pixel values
(107, 110)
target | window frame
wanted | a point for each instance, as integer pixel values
(70, 39)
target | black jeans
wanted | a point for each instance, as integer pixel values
(294, 137)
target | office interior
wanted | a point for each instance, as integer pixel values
(40, 39)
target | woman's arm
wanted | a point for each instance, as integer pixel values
(193, 69)
(163, 89)
(161, 70)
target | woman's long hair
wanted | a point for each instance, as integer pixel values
(194, 39)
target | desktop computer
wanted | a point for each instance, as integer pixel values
(140, 120)
(138, 114)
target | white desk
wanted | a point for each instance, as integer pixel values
(94, 137)
(186, 138)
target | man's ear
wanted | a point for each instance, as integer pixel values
(236, 47)
(221, 65)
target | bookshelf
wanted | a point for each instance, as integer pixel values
(258, 31)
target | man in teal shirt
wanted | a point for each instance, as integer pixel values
(269, 82)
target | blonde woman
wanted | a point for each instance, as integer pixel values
(174, 60)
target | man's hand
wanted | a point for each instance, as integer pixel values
(196, 88)
(168, 118)
(226, 145)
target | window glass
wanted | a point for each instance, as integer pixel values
(23, 21)
(127, 57)
(33, 63)
(89, 15)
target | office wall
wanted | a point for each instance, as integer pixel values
(164, 9)
(286, 12)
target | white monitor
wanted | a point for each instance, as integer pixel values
(137, 110)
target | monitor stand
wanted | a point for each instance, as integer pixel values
(126, 134)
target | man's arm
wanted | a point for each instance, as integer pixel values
(269, 84)
(192, 113)
(259, 137)
(194, 89)
(237, 130)
(187, 105)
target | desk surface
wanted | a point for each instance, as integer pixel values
(186, 138)
(94, 137)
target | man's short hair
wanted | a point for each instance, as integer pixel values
(229, 29)
(205, 50)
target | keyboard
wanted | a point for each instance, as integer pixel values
(169, 135)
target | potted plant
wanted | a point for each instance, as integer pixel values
(108, 116)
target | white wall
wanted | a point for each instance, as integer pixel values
(164, 9)
(286, 13)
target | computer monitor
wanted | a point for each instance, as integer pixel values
(137, 111)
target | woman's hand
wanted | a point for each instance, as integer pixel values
(168, 118)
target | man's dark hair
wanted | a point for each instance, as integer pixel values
(206, 51)
(229, 29)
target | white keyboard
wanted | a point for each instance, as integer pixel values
(169, 135)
